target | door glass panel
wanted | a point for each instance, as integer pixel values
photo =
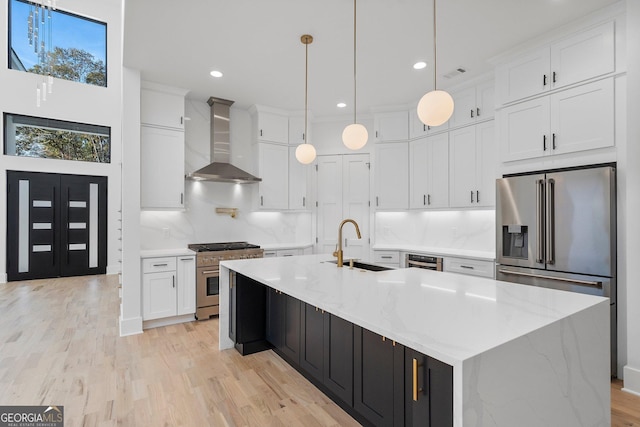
(77, 247)
(23, 226)
(41, 248)
(213, 285)
(41, 203)
(42, 226)
(77, 225)
(77, 204)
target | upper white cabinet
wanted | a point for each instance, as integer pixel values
(273, 166)
(391, 175)
(272, 127)
(298, 177)
(392, 126)
(161, 147)
(296, 131)
(162, 106)
(429, 172)
(472, 166)
(472, 104)
(576, 119)
(417, 129)
(582, 56)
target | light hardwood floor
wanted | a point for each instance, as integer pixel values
(59, 344)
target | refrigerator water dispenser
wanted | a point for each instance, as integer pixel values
(515, 241)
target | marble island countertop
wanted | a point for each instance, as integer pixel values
(448, 316)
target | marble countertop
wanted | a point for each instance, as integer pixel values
(451, 317)
(460, 253)
(154, 253)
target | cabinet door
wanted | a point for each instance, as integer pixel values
(525, 76)
(291, 328)
(328, 180)
(355, 204)
(338, 357)
(161, 168)
(233, 299)
(392, 175)
(274, 171)
(273, 127)
(419, 172)
(161, 109)
(486, 164)
(485, 101)
(378, 378)
(158, 295)
(582, 118)
(428, 391)
(464, 111)
(296, 131)
(275, 318)
(297, 182)
(391, 126)
(524, 130)
(417, 129)
(588, 54)
(312, 341)
(186, 285)
(462, 173)
(438, 164)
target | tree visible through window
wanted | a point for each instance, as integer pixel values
(78, 45)
(55, 139)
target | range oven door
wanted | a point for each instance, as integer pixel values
(207, 291)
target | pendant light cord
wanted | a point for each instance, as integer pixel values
(354, 61)
(435, 48)
(306, 78)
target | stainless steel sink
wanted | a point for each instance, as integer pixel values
(362, 265)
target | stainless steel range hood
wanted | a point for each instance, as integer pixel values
(220, 169)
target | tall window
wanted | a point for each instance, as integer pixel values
(56, 139)
(75, 47)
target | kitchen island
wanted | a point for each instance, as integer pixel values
(520, 355)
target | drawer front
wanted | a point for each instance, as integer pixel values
(157, 265)
(469, 266)
(386, 257)
(289, 252)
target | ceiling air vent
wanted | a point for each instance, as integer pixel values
(455, 73)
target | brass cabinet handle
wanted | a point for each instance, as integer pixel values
(415, 380)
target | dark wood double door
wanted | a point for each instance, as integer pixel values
(56, 225)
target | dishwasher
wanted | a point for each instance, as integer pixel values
(427, 262)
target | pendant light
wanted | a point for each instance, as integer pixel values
(39, 35)
(435, 107)
(305, 152)
(355, 135)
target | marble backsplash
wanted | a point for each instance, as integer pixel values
(468, 229)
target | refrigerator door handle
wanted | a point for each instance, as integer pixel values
(550, 238)
(561, 279)
(539, 221)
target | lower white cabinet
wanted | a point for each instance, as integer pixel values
(472, 267)
(168, 287)
(287, 252)
(387, 258)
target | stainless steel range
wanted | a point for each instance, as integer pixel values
(208, 259)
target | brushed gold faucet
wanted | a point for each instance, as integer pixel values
(338, 251)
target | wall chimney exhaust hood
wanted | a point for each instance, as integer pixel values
(220, 170)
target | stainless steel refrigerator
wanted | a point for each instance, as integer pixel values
(557, 229)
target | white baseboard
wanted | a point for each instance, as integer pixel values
(631, 380)
(131, 326)
(3, 278)
(166, 321)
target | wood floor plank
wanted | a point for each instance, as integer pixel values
(59, 344)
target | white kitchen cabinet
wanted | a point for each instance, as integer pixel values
(393, 126)
(472, 105)
(272, 127)
(273, 168)
(161, 168)
(472, 166)
(582, 56)
(298, 177)
(168, 287)
(429, 172)
(288, 252)
(296, 131)
(186, 285)
(576, 119)
(387, 258)
(391, 175)
(162, 106)
(471, 267)
(417, 129)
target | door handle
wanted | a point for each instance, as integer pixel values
(424, 199)
(471, 196)
(477, 111)
(210, 272)
(550, 221)
(160, 265)
(173, 279)
(477, 196)
(472, 113)
(553, 141)
(544, 80)
(428, 199)
(539, 221)
(544, 142)
(560, 279)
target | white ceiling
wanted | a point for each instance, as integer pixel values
(256, 44)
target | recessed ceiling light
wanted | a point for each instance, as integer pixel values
(419, 65)
(216, 73)
(341, 105)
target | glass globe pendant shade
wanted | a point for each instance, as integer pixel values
(355, 136)
(435, 108)
(305, 153)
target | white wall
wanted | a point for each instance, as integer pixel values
(75, 102)
(199, 223)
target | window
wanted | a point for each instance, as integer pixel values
(75, 47)
(56, 139)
